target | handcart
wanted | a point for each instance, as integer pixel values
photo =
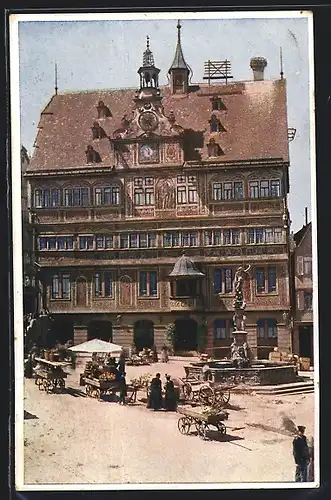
(196, 418)
(208, 393)
(49, 375)
(96, 388)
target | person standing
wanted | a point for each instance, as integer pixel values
(155, 397)
(301, 455)
(123, 389)
(121, 363)
(170, 399)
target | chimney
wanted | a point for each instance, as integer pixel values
(306, 216)
(258, 64)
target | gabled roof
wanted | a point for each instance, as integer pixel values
(255, 121)
(299, 235)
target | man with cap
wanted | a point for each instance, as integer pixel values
(301, 455)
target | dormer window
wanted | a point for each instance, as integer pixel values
(92, 156)
(97, 131)
(214, 149)
(217, 104)
(215, 124)
(103, 110)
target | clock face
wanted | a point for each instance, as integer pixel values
(148, 121)
(148, 153)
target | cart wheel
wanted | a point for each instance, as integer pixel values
(61, 383)
(97, 393)
(187, 391)
(88, 390)
(222, 397)
(184, 425)
(39, 383)
(207, 395)
(202, 429)
(221, 428)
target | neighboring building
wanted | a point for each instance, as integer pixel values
(303, 293)
(122, 181)
(29, 271)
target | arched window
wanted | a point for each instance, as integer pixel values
(97, 131)
(92, 156)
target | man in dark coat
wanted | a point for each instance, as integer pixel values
(301, 455)
(155, 397)
(123, 389)
(170, 399)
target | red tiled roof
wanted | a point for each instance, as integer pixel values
(255, 121)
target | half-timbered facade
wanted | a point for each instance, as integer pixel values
(122, 181)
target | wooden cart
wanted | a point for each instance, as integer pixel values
(96, 388)
(207, 393)
(50, 375)
(195, 418)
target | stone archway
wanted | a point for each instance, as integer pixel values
(143, 334)
(186, 335)
(100, 329)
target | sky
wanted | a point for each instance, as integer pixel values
(105, 54)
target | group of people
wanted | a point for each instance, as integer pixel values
(155, 399)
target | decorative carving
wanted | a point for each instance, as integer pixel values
(144, 212)
(190, 210)
(171, 152)
(165, 194)
(126, 299)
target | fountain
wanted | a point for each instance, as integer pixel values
(241, 368)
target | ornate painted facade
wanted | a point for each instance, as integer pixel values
(122, 181)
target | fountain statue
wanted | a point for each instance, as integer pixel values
(239, 347)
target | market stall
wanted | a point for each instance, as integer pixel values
(101, 376)
(50, 375)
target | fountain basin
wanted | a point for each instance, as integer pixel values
(260, 373)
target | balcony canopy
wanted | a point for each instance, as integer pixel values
(185, 268)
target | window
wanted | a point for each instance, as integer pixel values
(38, 198)
(228, 193)
(275, 188)
(106, 195)
(217, 191)
(272, 279)
(56, 243)
(266, 279)
(307, 266)
(265, 189)
(217, 104)
(272, 328)
(187, 189)
(308, 301)
(104, 242)
(151, 240)
(144, 191)
(215, 124)
(267, 327)
(265, 235)
(124, 240)
(167, 240)
(223, 282)
(260, 279)
(217, 237)
(45, 198)
(60, 286)
(86, 242)
(208, 237)
(133, 238)
(254, 189)
(220, 329)
(104, 285)
(222, 237)
(76, 197)
(147, 283)
(238, 190)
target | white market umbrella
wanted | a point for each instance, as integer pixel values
(98, 346)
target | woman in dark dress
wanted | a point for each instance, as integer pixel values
(170, 400)
(155, 397)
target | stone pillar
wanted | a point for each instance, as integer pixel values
(284, 338)
(160, 336)
(252, 340)
(80, 334)
(123, 335)
(210, 339)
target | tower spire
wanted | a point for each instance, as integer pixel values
(55, 77)
(179, 71)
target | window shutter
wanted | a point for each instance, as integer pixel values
(300, 301)
(300, 265)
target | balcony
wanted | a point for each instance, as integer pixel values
(185, 304)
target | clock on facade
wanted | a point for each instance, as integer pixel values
(148, 121)
(148, 153)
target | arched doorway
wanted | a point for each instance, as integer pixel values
(143, 334)
(186, 335)
(100, 329)
(62, 330)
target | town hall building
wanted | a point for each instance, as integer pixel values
(145, 201)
